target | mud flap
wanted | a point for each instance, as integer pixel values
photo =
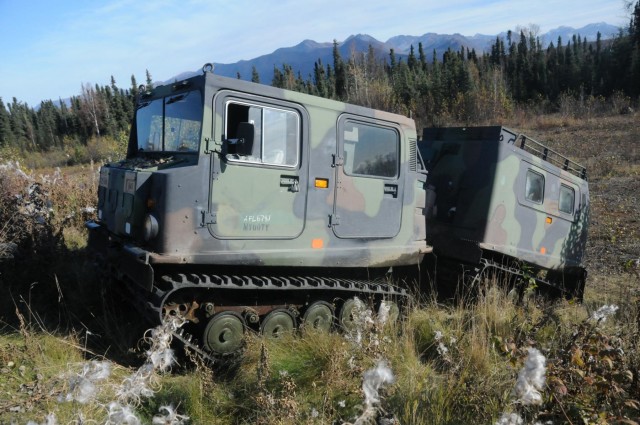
(128, 261)
(98, 240)
(134, 263)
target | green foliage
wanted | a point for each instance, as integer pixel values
(467, 88)
(54, 131)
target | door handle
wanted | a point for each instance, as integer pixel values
(291, 182)
(391, 189)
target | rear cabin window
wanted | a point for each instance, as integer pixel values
(262, 134)
(370, 150)
(534, 188)
(567, 199)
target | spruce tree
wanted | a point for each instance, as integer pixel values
(340, 73)
(393, 63)
(46, 119)
(278, 78)
(421, 57)
(149, 79)
(255, 77)
(331, 83)
(133, 93)
(6, 137)
(411, 60)
(319, 79)
(634, 31)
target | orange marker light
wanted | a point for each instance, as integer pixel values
(549, 220)
(543, 250)
(317, 244)
(322, 183)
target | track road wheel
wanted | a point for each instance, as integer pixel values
(276, 324)
(319, 316)
(349, 314)
(224, 333)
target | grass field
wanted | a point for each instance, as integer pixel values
(72, 350)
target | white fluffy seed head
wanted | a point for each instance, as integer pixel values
(510, 419)
(121, 415)
(167, 415)
(603, 312)
(374, 379)
(531, 379)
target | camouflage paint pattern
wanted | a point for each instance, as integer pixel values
(212, 206)
(480, 179)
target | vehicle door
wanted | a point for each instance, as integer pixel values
(259, 183)
(369, 190)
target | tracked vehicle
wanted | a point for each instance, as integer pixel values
(242, 205)
(507, 205)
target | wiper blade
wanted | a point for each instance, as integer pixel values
(175, 99)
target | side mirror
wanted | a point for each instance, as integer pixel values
(244, 138)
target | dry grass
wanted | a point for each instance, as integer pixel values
(452, 363)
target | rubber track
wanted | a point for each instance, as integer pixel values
(488, 265)
(180, 281)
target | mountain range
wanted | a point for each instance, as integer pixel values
(302, 56)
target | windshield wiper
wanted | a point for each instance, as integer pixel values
(175, 99)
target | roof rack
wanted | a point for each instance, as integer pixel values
(541, 151)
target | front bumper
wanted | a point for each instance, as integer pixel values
(123, 260)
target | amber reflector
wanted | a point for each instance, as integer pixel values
(549, 220)
(322, 183)
(543, 250)
(317, 243)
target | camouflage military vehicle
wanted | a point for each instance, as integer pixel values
(242, 205)
(504, 202)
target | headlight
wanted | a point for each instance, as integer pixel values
(150, 227)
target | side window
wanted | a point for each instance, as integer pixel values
(567, 199)
(262, 134)
(534, 188)
(370, 150)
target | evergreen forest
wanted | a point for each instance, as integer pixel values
(576, 76)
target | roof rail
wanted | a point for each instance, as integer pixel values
(541, 151)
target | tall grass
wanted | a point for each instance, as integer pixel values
(452, 363)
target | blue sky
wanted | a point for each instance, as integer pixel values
(48, 48)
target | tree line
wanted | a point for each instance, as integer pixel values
(462, 86)
(466, 87)
(97, 111)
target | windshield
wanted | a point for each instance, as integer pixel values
(170, 124)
